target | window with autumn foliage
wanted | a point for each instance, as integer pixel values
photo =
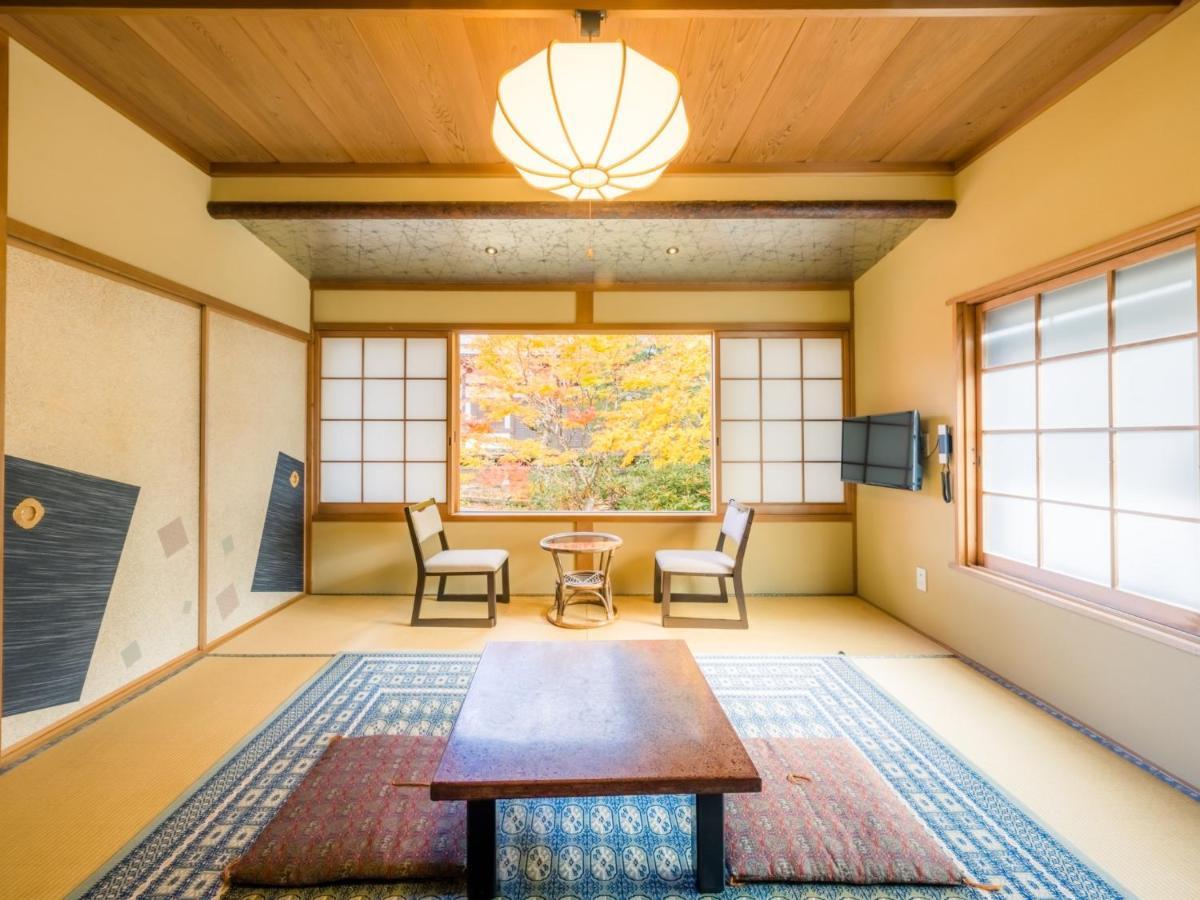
(585, 422)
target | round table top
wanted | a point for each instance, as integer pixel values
(580, 542)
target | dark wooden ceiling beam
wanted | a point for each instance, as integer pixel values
(627, 209)
(624, 8)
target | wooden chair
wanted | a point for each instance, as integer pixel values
(709, 564)
(424, 522)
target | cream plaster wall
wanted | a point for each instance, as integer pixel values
(782, 558)
(724, 307)
(424, 307)
(104, 379)
(256, 410)
(1120, 152)
(84, 172)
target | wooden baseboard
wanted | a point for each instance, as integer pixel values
(104, 704)
(217, 642)
(100, 705)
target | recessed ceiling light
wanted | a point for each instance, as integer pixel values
(671, 251)
(490, 251)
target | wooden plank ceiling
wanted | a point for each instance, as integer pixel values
(418, 87)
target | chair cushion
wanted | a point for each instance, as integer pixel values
(465, 561)
(694, 562)
(361, 813)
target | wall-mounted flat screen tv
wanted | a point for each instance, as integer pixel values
(883, 450)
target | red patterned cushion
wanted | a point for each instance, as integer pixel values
(354, 817)
(844, 824)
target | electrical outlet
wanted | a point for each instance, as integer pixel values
(922, 585)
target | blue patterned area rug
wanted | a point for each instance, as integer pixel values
(609, 848)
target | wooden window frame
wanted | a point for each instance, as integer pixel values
(1111, 603)
(390, 512)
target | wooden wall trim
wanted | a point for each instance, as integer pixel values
(246, 626)
(505, 170)
(359, 329)
(3, 323)
(550, 209)
(1162, 230)
(640, 8)
(202, 525)
(32, 238)
(569, 286)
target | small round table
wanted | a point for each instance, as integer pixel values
(582, 586)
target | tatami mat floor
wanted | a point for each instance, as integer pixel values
(66, 810)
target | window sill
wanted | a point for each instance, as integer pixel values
(382, 513)
(1142, 627)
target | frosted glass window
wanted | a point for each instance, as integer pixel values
(1075, 467)
(781, 358)
(1010, 528)
(383, 483)
(1159, 558)
(425, 399)
(739, 399)
(822, 358)
(383, 399)
(426, 357)
(783, 441)
(823, 399)
(383, 441)
(1009, 399)
(740, 481)
(1075, 318)
(823, 483)
(426, 441)
(1159, 472)
(341, 399)
(341, 440)
(1077, 542)
(341, 482)
(740, 441)
(1008, 334)
(425, 480)
(1009, 464)
(823, 441)
(781, 400)
(341, 357)
(739, 357)
(783, 483)
(1156, 299)
(1155, 385)
(1074, 392)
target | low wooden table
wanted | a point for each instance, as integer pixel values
(591, 719)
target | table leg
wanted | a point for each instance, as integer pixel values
(710, 843)
(481, 849)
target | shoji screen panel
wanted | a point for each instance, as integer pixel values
(102, 468)
(781, 405)
(384, 410)
(256, 472)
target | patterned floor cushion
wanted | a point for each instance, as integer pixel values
(825, 814)
(361, 813)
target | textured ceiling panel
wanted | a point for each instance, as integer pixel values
(551, 251)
